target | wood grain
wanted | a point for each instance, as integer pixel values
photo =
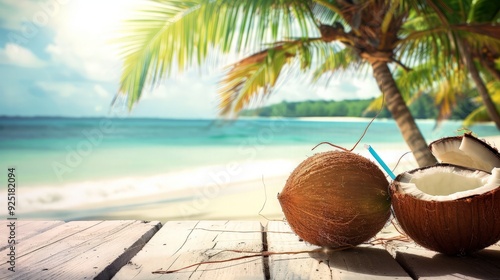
(135, 249)
(424, 264)
(180, 244)
(25, 230)
(79, 250)
(362, 262)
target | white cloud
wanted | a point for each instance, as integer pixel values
(90, 58)
(62, 89)
(350, 87)
(16, 15)
(101, 92)
(20, 56)
(83, 34)
(80, 90)
(185, 96)
(159, 92)
(80, 31)
(25, 20)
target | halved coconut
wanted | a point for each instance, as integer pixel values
(448, 208)
(467, 151)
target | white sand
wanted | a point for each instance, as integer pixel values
(236, 200)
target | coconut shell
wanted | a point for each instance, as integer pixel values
(477, 154)
(454, 227)
(336, 199)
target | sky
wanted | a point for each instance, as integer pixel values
(57, 59)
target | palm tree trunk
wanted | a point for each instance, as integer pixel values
(401, 114)
(485, 96)
(490, 66)
(481, 88)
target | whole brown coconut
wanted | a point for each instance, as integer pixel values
(336, 199)
(448, 208)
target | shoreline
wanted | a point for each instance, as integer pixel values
(234, 198)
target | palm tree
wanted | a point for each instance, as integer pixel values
(318, 36)
(487, 59)
(445, 77)
(445, 86)
(468, 47)
(480, 114)
(487, 11)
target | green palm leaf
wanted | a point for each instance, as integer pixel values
(172, 35)
(477, 116)
(375, 105)
(254, 77)
(335, 61)
(480, 114)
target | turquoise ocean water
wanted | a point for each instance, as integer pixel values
(76, 160)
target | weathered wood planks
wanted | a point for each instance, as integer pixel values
(180, 244)
(77, 250)
(425, 264)
(357, 263)
(135, 249)
(25, 230)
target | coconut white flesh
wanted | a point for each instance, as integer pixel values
(469, 152)
(444, 183)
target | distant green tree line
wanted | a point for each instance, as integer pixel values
(421, 108)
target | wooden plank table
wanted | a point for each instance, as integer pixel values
(136, 249)
(73, 250)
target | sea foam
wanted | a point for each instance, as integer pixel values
(112, 191)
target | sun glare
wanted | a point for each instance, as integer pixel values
(97, 17)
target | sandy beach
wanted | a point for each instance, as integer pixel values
(239, 200)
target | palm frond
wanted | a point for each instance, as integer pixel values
(484, 11)
(451, 11)
(485, 29)
(327, 12)
(480, 114)
(445, 99)
(336, 61)
(254, 77)
(172, 35)
(375, 105)
(434, 32)
(420, 79)
(477, 116)
(425, 38)
(494, 88)
(389, 15)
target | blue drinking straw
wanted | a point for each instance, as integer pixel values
(380, 161)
